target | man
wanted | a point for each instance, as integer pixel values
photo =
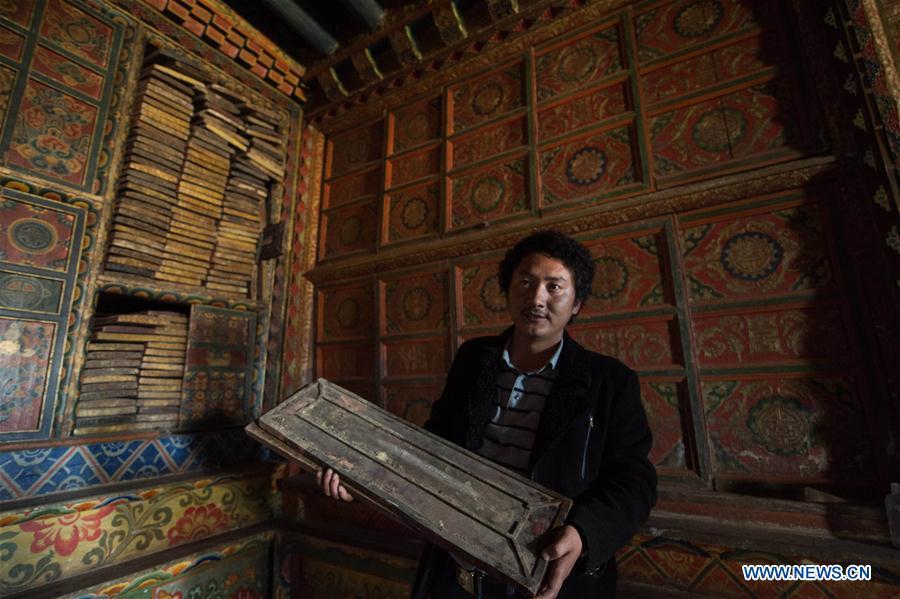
(534, 400)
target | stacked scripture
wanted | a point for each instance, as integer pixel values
(133, 374)
(201, 165)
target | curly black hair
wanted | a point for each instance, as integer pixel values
(552, 244)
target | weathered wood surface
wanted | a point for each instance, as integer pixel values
(478, 510)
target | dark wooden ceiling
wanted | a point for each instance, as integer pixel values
(349, 46)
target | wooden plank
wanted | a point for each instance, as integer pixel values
(463, 502)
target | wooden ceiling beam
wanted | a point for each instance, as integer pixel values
(450, 24)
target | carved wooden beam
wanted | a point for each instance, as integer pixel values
(450, 24)
(404, 45)
(365, 65)
(331, 85)
(502, 9)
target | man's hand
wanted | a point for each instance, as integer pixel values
(332, 487)
(562, 553)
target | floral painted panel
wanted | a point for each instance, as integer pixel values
(410, 167)
(350, 229)
(771, 336)
(36, 236)
(691, 137)
(62, 70)
(12, 44)
(346, 312)
(416, 357)
(579, 63)
(412, 401)
(592, 166)
(413, 212)
(671, 27)
(346, 361)
(772, 253)
(53, 134)
(487, 97)
(664, 400)
(19, 13)
(583, 111)
(490, 194)
(416, 304)
(801, 429)
(25, 353)
(483, 303)
(49, 543)
(639, 344)
(29, 293)
(77, 32)
(417, 124)
(355, 148)
(345, 189)
(489, 142)
(629, 275)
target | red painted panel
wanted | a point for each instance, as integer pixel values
(662, 400)
(487, 143)
(644, 344)
(52, 134)
(592, 57)
(748, 56)
(68, 73)
(413, 212)
(629, 275)
(412, 401)
(350, 229)
(671, 27)
(489, 194)
(416, 357)
(758, 255)
(77, 32)
(483, 304)
(801, 429)
(347, 312)
(18, 12)
(487, 97)
(771, 336)
(25, 351)
(34, 236)
(416, 304)
(762, 118)
(347, 360)
(11, 43)
(582, 111)
(350, 187)
(690, 138)
(416, 124)
(411, 167)
(357, 147)
(590, 166)
(677, 79)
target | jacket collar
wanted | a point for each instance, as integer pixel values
(567, 399)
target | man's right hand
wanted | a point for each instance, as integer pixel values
(331, 485)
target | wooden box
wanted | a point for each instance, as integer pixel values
(481, 512)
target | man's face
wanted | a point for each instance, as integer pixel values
(541, 298)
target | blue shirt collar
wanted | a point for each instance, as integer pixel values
(551, 363)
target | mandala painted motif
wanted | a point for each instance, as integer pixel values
(414, 213)
(719, 130)
(348, 313)
(698, 18)
(350, 230)
(610, 279)
(586, 166)
(491, 296)
(487, 98)
(576, 64)
(417, 127)
(32, 236)
(416, 303)
(751, 255)
(487, 194)
(29, 293)
(781, 425)
(357, 150)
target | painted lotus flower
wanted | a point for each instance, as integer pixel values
(198, 522)
(65, 532)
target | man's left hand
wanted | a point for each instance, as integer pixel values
(562, 553)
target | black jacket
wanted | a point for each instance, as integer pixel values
(591, 445)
